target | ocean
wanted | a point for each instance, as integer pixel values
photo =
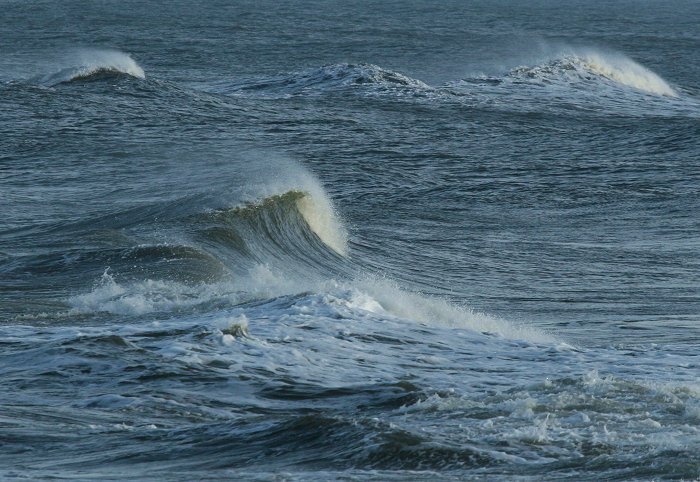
(323, 240)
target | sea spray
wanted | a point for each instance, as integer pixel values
(586, 65)
(83, 64)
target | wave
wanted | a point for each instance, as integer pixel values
(590, 67)
(274, 240)
(88, 65)
(287, 252)
(274, 217)
(225, 256)
(326, 78)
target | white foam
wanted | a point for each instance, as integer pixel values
(379, 298)
(436, 311)
(153, 296)
(147, 296)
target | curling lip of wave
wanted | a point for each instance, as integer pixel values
(324, 78)
(95, 64)
(316, 211)
(587, 66)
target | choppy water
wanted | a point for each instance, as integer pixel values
(350, 240)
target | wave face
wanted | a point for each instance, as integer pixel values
(590, 67)
(273, 215)
(90, 64)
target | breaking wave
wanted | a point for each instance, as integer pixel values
(590, 67)
(274, 217)
(94, 65)
(287, 252)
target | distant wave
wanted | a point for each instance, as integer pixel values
(586, 69)
(590, 66)
(94, 65)
(329, 77)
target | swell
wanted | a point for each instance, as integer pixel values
(337, 77)
(580, 78)
(582, 69)
(294, 234)
(285, 251)
(574, 67)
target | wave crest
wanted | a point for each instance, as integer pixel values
(592, 66)
(273, 217)
(95, 65)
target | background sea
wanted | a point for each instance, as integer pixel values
(322, 240)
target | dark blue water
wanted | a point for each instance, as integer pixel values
(324, 240)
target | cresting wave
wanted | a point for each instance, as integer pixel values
(589, 66)
(274, 250)
(89, 64)
(316, 211)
